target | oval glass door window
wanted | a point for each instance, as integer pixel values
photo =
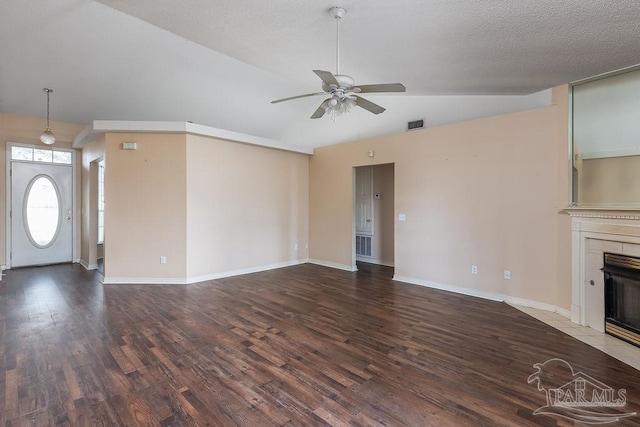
(42, 211)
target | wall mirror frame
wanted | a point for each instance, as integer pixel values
(605, 140)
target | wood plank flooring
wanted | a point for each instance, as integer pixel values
(298, 346)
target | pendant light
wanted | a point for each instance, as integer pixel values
(47, 136)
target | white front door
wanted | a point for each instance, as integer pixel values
(41, 214)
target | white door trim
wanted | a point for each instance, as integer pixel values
(74, 203)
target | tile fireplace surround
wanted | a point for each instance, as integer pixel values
(595, 231)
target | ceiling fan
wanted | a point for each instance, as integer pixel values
(341, 88)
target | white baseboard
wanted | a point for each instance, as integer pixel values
(333, 265)
(485, 295)
(450, 288)
(87, 266)
(196, 279)
(242, 271)
(144, 281)
(375, 261)
(538, 305)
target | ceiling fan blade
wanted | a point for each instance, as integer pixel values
(296, 97)
(327, 77)
(385, 87)
(369, 106)
(321, 110)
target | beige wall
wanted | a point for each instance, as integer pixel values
(259, 213)
(211, 207)
(563, 197)
(383, 213)
(91, 153)
(488, 192)
(27, 130)
(246, 206)
(145, 206)
(612, 180)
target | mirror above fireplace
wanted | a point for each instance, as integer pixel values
(606, 140)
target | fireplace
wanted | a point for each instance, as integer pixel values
(622, 297)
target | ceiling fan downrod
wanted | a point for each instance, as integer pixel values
(337, 13)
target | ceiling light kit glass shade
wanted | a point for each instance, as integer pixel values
(337, 106)
(47, 136)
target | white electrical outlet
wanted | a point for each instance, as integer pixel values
(295, 247)
(163, 259)
(306, 246)
(474, 269)
(507, 275)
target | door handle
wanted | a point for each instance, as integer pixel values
(368, 220)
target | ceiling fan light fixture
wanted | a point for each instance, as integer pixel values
(342, 88)
(337, 106)
(47, 136)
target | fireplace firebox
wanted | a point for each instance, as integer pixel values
(622, 297)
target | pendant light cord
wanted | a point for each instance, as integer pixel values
(48, 92)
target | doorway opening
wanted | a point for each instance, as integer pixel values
(374, 235)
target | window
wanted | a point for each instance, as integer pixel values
(41, 155)
(42, 211)
(22, 153)
(101, 201)
(62, 157)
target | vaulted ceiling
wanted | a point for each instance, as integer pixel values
(221, 62)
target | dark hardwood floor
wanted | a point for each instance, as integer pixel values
(299, 346)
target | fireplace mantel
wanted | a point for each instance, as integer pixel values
(632, 214)
(609, 227)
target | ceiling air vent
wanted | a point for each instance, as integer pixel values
(416, 124)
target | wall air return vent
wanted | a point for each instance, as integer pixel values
(363, 245)
(416, 124)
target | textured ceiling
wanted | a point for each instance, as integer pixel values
(220, 62)
(432, 46)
